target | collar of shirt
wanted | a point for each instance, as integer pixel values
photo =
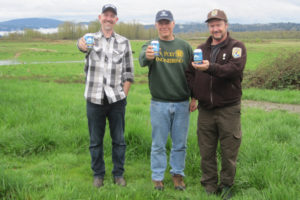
(118, 38)
(100, 34)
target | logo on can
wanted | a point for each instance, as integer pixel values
(198, 58)
(155, 45)
(89, 40)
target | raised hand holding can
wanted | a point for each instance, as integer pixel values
(198, 57)
(89, 40)
(155, 45)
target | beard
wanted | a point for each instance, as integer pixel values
(219, 38)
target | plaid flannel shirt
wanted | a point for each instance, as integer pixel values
(107, 66)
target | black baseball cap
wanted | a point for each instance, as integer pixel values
(109, 7)
(164, 14)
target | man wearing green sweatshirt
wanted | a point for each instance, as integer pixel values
(170, 100)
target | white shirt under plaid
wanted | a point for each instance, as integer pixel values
(107, 66)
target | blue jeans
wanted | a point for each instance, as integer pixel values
(97, 115)
(168, 117)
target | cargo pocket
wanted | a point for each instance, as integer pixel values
(237, 134)
(235, 116)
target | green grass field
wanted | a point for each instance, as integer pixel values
(44, 137)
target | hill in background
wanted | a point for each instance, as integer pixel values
(31, 23)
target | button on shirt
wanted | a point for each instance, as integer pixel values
(107, 66)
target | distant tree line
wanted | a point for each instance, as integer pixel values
(72, 31)
(137, 31)
(202, 27)
(257, 36)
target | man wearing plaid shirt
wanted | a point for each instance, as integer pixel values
(109, 74)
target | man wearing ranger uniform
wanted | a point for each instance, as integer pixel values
(216, 84)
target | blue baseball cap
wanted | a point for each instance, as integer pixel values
(164, 14)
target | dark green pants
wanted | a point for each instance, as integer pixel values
(224, 125)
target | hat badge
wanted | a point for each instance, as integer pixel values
(214, 13)
(110, 5)
(163, 13)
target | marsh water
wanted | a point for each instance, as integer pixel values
(15, 62)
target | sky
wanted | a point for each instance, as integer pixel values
(143, 11)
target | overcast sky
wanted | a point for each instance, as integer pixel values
(143, 11)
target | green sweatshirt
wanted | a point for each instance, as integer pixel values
(166, 75)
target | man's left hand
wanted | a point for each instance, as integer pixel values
(193, 105)
(126, 87)
(202, 67)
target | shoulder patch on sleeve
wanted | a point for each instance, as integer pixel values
(236, 52)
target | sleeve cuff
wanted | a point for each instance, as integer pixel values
(128, 76)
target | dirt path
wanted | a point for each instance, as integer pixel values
(17, 55)
(268, 106)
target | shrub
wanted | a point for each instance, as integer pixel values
(282, 72)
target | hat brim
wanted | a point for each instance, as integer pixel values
(111, 9)
(163, 18)
(215, 18)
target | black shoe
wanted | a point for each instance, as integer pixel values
(226, 193)
(98, 182)
(210, 193)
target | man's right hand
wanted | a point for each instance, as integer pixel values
(150, 53)
(82, 44)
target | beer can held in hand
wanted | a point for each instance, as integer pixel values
(155, 45)
(89, 40)
(198, 57)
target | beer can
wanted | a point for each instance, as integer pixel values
(198, 58)
(89, 40)
(155, 45)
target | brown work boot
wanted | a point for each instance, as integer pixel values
(120, 181)
(98, 182)
(158, 185)
(178, 182)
